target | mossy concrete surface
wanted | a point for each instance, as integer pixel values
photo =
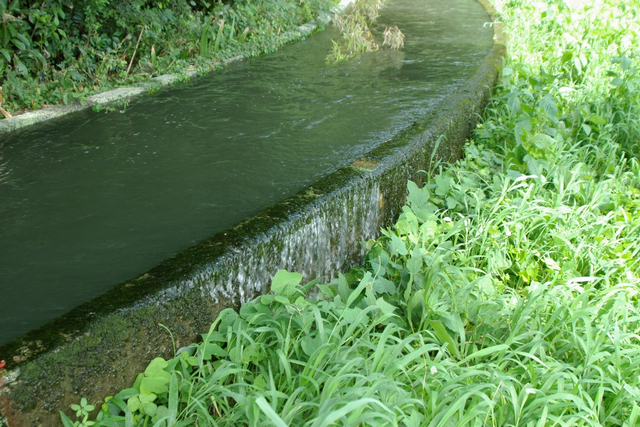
(99, 347)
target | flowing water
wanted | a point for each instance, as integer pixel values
(94, 199)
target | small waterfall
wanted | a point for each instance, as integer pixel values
(318, 242)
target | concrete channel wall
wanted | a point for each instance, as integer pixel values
(99, 347)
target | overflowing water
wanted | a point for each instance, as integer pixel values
(318, 244)
(94, 199)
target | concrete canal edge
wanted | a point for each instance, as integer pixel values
(99, 347)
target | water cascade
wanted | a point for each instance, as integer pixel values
(319, 242)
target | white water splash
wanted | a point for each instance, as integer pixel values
(320, 241)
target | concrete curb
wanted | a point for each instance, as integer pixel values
(100, 346)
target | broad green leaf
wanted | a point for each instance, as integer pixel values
(397, 246)
(382, 285)
(76, 76)
(212, 336)
(21, 67)
(379, 263)
(267, 299)
(127, 393)
(417, 196)
(485, 285)
(211, 349)
(249, 309)
(252, 354)
(282, 300)
(19, 44)
(385, 306)
(327, 291)
(416, 419)
(234, 354)
(597, 120)
(285, 283)
(227, 317)
(625, 63)
(416, 304)
(497, 261)
(155, 379)
(156, 369)
(452, 203)
(156, 385)
(351, 314)
(309, 345)
(443, 184)
(357, 292)
(146, 403)
(162, 413)
(414, 263)
(551, 264)
(542, 141)
(7, 55)
(133, 403)
(260, 383)
(513, 101)
(549, 105)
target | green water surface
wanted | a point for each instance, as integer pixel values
(94, 199)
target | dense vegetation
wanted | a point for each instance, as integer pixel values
(57, 51)
(505, 294)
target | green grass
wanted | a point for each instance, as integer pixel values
(506, 293)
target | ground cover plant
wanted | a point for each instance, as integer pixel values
(505, 294)
(60, 51)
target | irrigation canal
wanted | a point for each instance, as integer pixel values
(93, 199)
